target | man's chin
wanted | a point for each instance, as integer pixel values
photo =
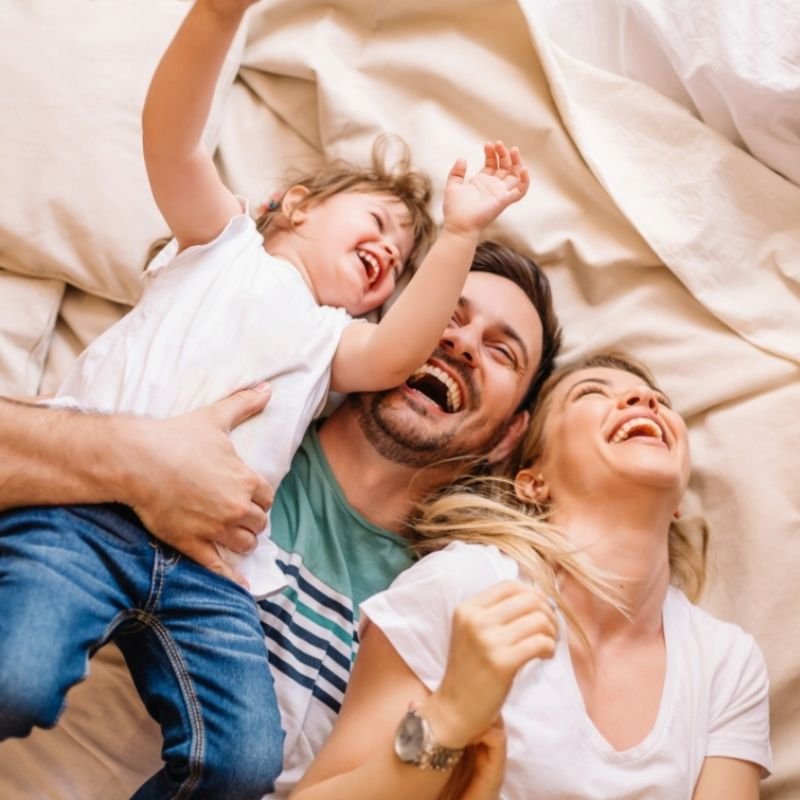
(402, 430)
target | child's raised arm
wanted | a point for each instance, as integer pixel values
(382, 356)
(194, 201)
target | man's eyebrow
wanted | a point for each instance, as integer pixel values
(507, 330)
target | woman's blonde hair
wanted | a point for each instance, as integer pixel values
(487, 511)
(389, 173)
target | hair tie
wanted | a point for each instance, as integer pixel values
(272, 203)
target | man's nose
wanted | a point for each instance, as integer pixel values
(640, 396)
(461, 342)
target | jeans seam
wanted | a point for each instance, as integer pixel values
(197, 748)
(157, 581)
(146, 616)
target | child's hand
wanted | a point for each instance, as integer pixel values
(470, 205)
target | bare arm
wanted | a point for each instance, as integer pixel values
(729, 778)
(181, 475)
(57, 456)
(493, 635)
(185, 183)
(374, 357)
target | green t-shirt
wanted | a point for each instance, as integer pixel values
(333, 559)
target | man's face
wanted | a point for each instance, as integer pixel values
(462, 400)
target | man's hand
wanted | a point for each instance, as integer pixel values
(489, 765)
(191, 489)
(470, 205)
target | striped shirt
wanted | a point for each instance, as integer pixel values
(333, 559)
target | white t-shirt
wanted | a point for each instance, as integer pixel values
(215, 318)
(714, 702)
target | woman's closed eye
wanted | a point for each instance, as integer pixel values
(589, 388)
(378, 220)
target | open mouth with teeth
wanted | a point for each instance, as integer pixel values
(371, 266)
(437, 386)
(639, 427)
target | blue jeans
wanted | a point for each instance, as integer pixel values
(73, 578)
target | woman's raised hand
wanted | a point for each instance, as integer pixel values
(494, 635)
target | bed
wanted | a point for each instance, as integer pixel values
(663, 140)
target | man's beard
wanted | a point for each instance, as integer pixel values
(407, 440)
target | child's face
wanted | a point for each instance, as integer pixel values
(354, 245)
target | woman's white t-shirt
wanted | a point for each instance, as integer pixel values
(714, 701)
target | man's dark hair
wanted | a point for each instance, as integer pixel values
(498, 259)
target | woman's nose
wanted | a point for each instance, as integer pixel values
(640, 396)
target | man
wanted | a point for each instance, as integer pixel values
(340, 516)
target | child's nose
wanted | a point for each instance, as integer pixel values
(393, 254)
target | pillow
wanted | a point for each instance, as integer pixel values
(736, 71)
(28, 310)
(76, 205)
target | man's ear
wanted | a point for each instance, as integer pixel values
(514, 432)
(292, 199)
(530, 486)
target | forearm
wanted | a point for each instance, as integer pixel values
(182, 88)
(52, 456)
(391, 350)
(397, 781)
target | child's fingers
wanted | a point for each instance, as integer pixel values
(503, 155)
(489, 156)
(458, 171)
(524, 179)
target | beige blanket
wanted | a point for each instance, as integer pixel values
(660, 237)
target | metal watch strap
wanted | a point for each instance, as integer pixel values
(429, 755)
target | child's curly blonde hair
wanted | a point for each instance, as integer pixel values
(390, 173)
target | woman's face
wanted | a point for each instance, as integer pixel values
(606, 427)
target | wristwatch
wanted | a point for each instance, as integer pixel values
(414, 743)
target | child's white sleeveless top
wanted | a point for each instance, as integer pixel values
(216, 318)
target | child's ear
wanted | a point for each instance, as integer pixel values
(293, 198)
(531, 487)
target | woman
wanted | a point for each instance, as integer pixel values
(623, 690)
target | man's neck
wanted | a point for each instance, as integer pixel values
(382, 491)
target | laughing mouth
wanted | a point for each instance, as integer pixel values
(437, 386)
(371, 265)
(638, 427)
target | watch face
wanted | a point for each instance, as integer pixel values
(409, 741)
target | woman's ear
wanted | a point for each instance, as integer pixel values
(293, 198)
(531, 487)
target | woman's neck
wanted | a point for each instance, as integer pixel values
(629, 540)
